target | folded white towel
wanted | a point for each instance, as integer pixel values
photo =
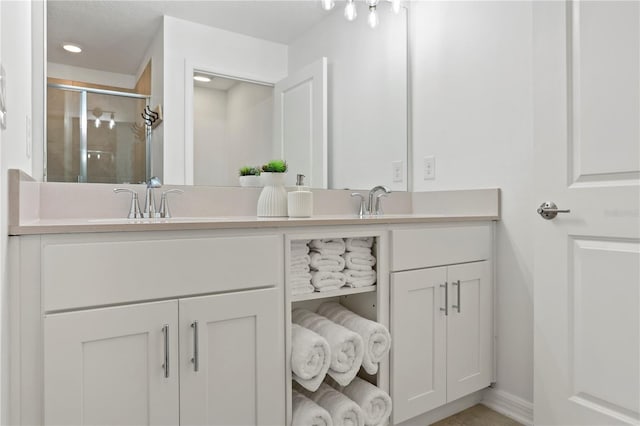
(300, 269)
(333, 244)
(343, 411)
(376, 337)
(374, 402)
(359, 261)
(358, 243)
(327, 281)
(301, 276)
(302, 289)
(346, 346)
(302, 259)
(310, 357)
(357, 278)
(308, 413)
(329, 262)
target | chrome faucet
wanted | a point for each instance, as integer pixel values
(377, 209)
(150, 201)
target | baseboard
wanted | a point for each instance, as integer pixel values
(509, 405)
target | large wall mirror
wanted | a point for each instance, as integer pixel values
(130, 95)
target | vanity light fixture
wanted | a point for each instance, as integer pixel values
(112, 122)
(350, 12)
(97, 113)
(202, 78)
(73, 48)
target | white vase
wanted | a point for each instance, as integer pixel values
(250, 180)
(273, 198)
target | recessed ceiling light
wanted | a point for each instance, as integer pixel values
(73, 48)
(202, 78)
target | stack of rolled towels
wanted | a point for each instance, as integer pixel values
(327, 263)
(300, 276)
(335, 342)
(359, 262)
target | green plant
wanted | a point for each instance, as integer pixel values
(249, 171)
(275, 166)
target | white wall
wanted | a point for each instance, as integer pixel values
(367, 95)
(472, 109)
(15, 57)
(87, 75)
(211, 49)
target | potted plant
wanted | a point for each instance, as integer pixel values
(249, 176)
(273, 198)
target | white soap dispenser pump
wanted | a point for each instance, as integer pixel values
(300, 201)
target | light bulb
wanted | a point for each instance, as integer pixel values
(373, 17)
(97, 123)
(112, 122)
(395, 6)
(350, 11)
(328, 4)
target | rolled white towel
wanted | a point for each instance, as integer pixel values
(308, 413)
(374, 402)
(300, 277)
(357, 278)
(299, 248)
(329, 262)
(297, 260)
(355, 244)
(343, 411)
(310, 357)
(333, 244)
(346, 346)
(359, 261)
(376, 337)
(302, 289)
(300, 269)
(327, 281)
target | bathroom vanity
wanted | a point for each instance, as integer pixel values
(189, 322)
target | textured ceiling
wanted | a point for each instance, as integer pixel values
(114, 35)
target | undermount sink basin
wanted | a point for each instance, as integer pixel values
(157, 220)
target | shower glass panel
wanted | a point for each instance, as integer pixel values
(96, 136)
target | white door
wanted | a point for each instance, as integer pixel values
(469, 331)
(232, 359)
(300, 128)
(112, 366)
(418, 363)
(587, 262)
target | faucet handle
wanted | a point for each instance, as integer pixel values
(134, 208)
(378, 210)
(164, 203)
(362, 206)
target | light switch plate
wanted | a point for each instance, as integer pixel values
(397, 170)
(429, 167)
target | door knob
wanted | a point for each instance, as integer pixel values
(548, 210)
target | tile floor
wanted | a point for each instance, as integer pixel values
(478, 415)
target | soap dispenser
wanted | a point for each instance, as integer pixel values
(300, 201)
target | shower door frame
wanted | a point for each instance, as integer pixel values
(82, 178)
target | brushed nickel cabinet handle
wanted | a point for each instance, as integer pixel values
(457, 283)
(165, 365)
(195, 360)
(446, 298)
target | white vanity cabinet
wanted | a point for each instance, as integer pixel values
(167, 329)
(441, 315)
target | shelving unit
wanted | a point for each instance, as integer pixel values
(369, 302)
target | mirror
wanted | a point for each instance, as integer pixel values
(366, 120)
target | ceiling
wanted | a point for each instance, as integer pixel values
(115, 34)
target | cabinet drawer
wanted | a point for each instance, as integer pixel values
(79, 274)
(442, 245)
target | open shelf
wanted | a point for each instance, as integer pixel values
(344, 291)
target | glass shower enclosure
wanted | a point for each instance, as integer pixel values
(96, 136)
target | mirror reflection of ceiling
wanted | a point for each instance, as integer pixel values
(101, 27)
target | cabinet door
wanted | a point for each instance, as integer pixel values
(469, 329)
(239, 349)
(418, 325)
(105, 366)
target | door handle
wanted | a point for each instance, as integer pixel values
(194, 360)
(446, 298)
(457, 284)
(165, 365)
(548, 210)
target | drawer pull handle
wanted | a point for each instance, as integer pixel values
(457, 283)
(165, 365)
(194, 360)
(446, 298)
